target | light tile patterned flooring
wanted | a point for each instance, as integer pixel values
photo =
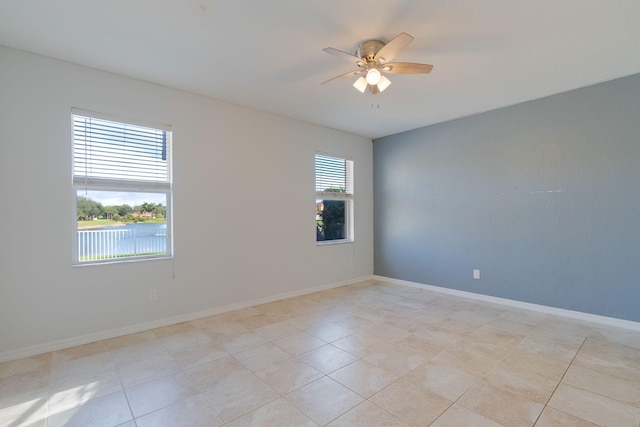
(370, 354)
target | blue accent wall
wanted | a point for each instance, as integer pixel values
(542, 197)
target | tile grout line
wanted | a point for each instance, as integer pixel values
(481, 379)
(562, 377)
(124, 390)
(462, 394)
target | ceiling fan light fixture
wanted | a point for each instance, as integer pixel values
(361, 84)
(374, 57)
(383, 83)
(373, 76)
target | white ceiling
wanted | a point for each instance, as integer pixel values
(267, 54)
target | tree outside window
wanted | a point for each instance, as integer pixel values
(334, 196)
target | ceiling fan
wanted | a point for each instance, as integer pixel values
(373, 58)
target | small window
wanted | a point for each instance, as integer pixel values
(122, 184)
(334, 199)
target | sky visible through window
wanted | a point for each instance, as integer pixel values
(118, 198)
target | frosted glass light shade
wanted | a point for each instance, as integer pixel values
(373, 76)
(361, 84)
(383, 83)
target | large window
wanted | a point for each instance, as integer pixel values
(122, 183)
(334, 199)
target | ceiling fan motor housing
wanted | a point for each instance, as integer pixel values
(367, 49)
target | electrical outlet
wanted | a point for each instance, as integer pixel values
(153, 294)
(476, 274)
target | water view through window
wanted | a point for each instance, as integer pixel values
(116, 225)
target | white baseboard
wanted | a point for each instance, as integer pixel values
(132, 329)
(578, 315)
(113, 333)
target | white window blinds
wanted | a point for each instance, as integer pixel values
(334, 176)
(106, 151)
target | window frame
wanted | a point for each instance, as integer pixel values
(347, 197)
(80, 183)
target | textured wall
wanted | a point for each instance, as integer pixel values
(542, 197)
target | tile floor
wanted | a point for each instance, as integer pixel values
(370, 354)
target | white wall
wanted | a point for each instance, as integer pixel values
(244, 207)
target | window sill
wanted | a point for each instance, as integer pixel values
(333, 242)
(121, 260)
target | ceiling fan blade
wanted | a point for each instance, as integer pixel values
(406, 68)
(390, 50)
(341, 54)
(344, 76)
